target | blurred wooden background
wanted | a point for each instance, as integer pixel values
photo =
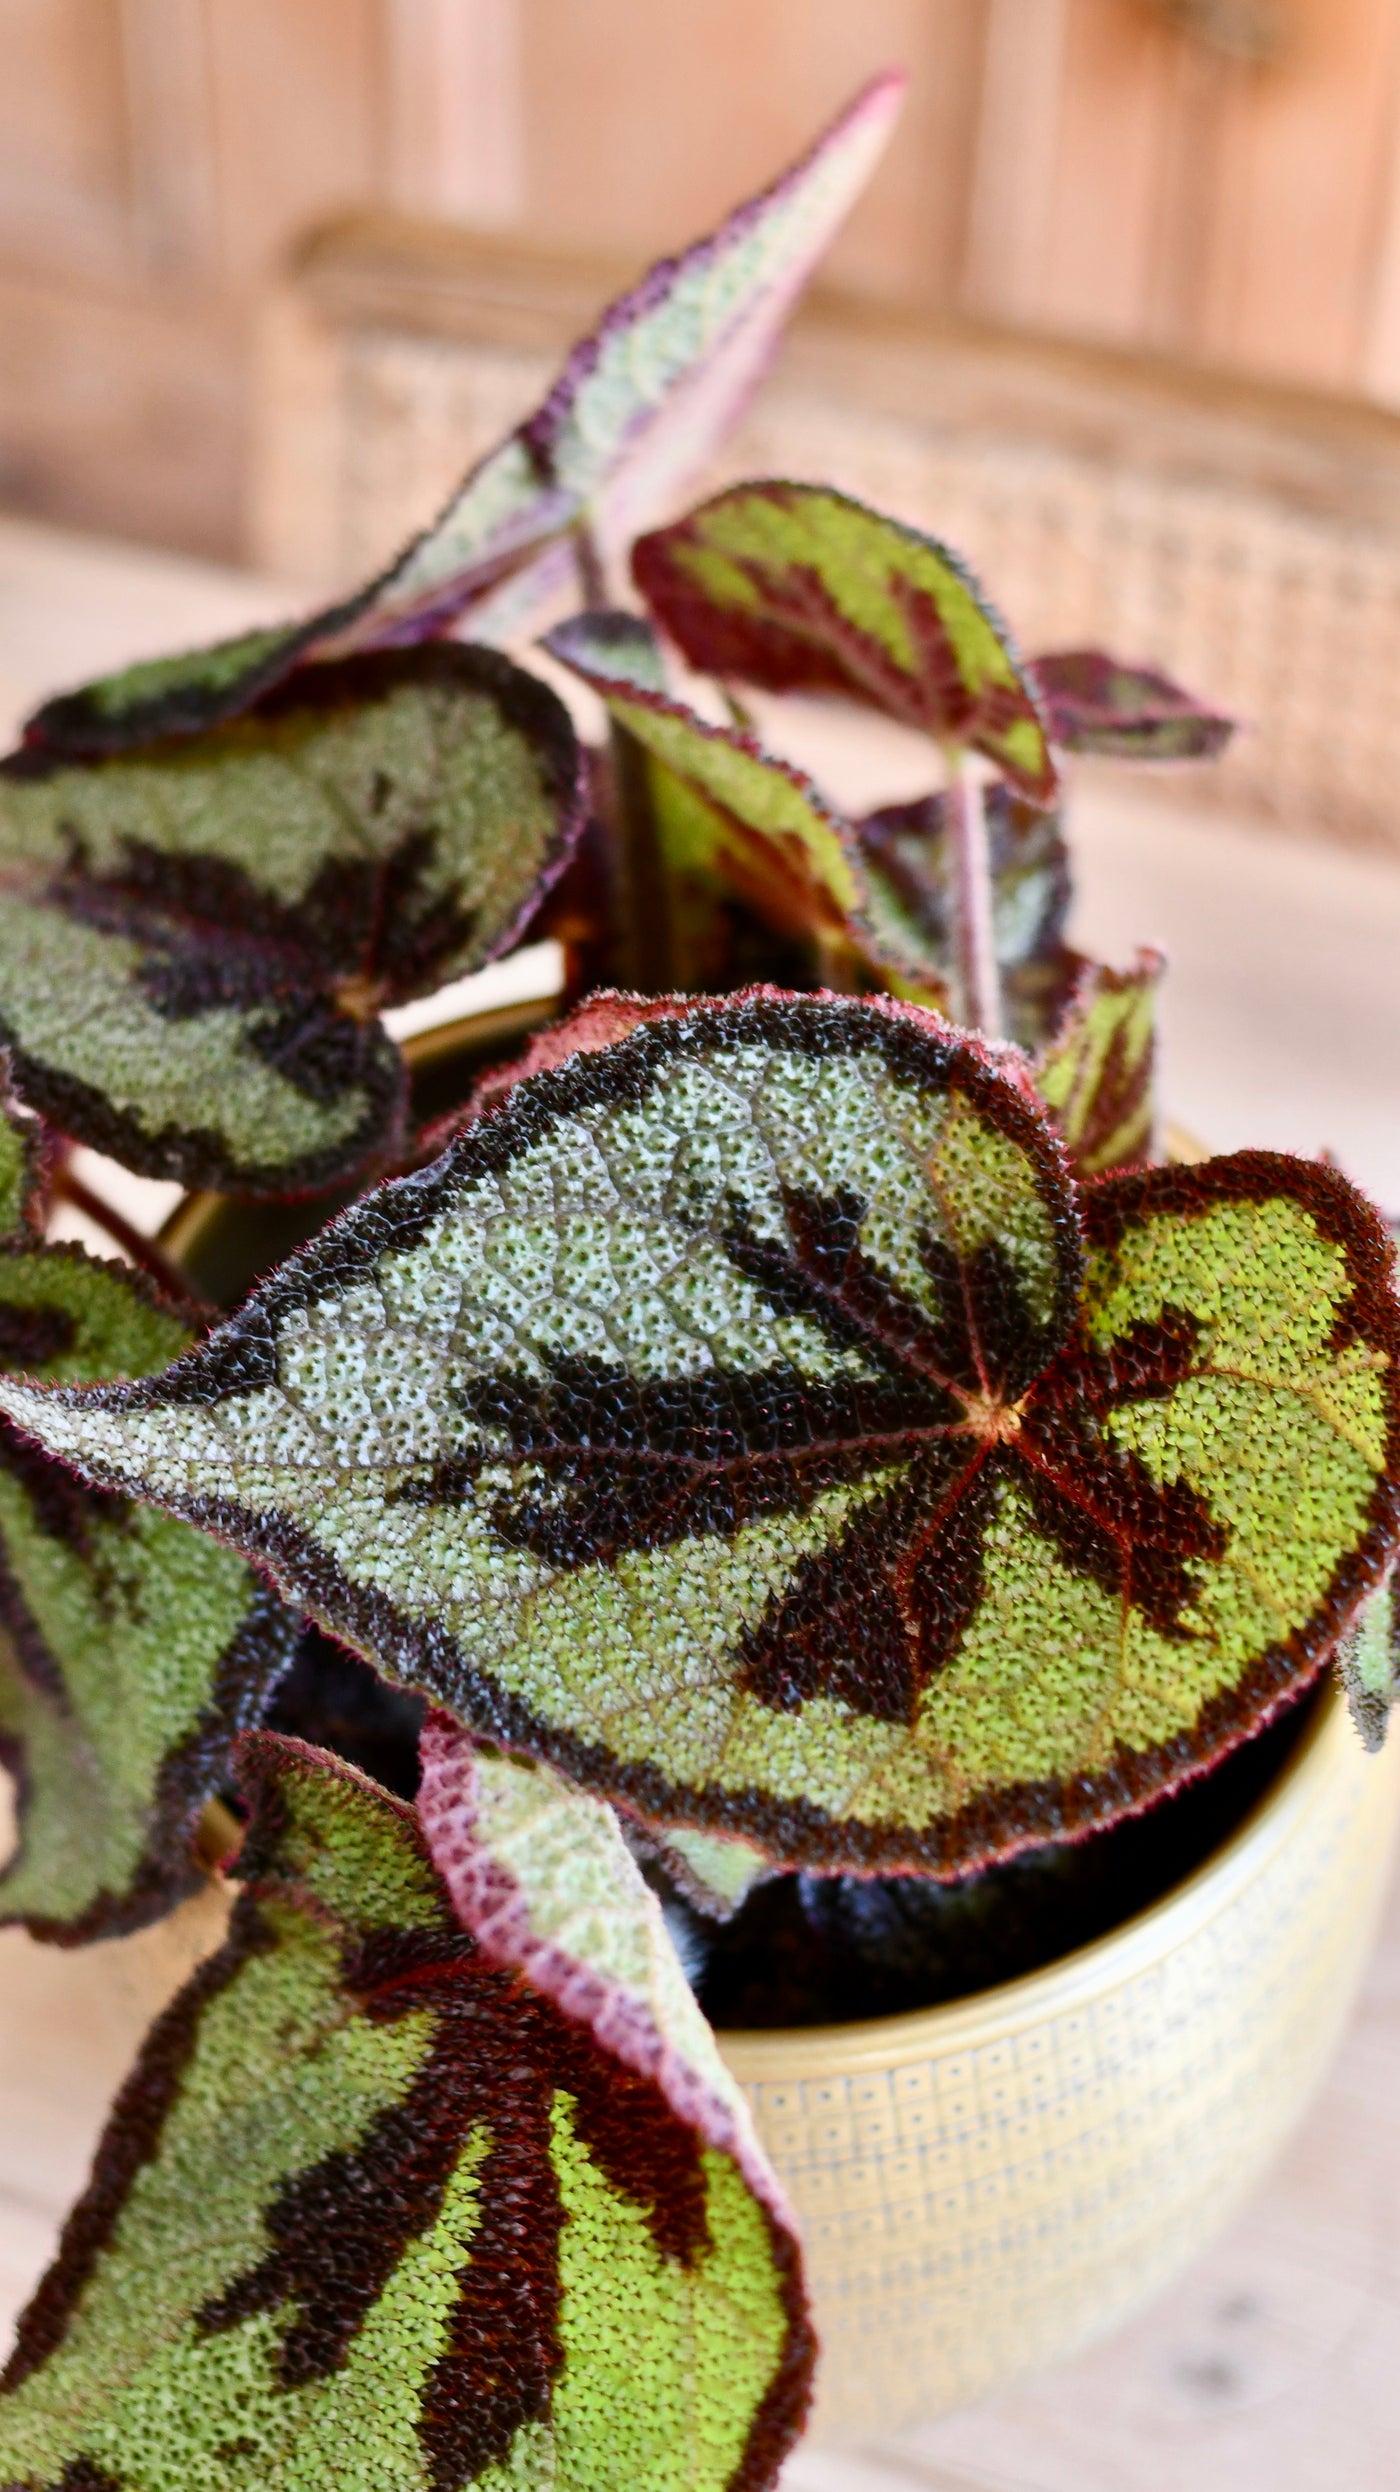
(1217, 180)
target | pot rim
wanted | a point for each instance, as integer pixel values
(797, 2052)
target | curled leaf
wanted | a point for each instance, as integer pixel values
(754, 1419)
(904, 851)
(369, 2211)
(731, 820)
(640, 405)
(800, 589)
(1097, 705)
(1097, 1076)
(132, 1647)
(196, 938)
(539, 1873)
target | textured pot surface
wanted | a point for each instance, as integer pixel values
(985, 2187)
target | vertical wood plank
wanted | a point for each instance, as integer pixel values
(296, 88)
(454, 109)
(1304, 161)
(169, 107)
(1016, 160)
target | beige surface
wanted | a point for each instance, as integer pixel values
(1272, 2367)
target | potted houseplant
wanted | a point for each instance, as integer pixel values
(847, 1526)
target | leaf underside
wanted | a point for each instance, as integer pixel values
(1131, 713)
(369, 2211)
(638, 408)
(753, 1419)
(132, 1647)
(798, 588)
(196, 939)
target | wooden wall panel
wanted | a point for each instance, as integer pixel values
(298, 92)
(1080, 167)
(642, 121)
(63, 133)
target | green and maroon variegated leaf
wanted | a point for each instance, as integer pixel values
(800, 589)
(1096, 705)
(539, 1872)
(732, 821)
(1098, 1075)
(24, 1166)
(132, 1647)
(640, 405)
(196, 938)
(1368, 1664)
(904, 851)
(753, 1419)
(370, 2212)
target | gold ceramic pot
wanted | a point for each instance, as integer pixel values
(985, 2187)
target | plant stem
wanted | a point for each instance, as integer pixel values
(969, 862)
(642, 897)
(143, 1250)
(592, 579)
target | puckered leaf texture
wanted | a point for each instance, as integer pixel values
(800, 589)
(1132, 713)
(370, 2211)
(132, 1647)
(753, 1418)
(196, 938)
(640, 405)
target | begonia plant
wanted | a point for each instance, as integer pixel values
(792, 1422)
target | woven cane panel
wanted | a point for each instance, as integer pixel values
(1020, 2173)
(1289, 617)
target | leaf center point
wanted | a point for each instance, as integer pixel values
(988, 1418)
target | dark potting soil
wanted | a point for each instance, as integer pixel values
(809, 1950)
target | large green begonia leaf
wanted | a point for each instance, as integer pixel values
(132, 1647)
(754, 1419)
(372, 2212)
(196, 938)
(797, 588)
(639, 406)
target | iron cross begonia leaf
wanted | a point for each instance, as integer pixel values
(1097, 1076)
(371, 2212)
(904, 851)
(732, 821)
(754, 1419)
(1134, 713)
(132, 1647)
(196, 938)
(640, 405)
(797, 588)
